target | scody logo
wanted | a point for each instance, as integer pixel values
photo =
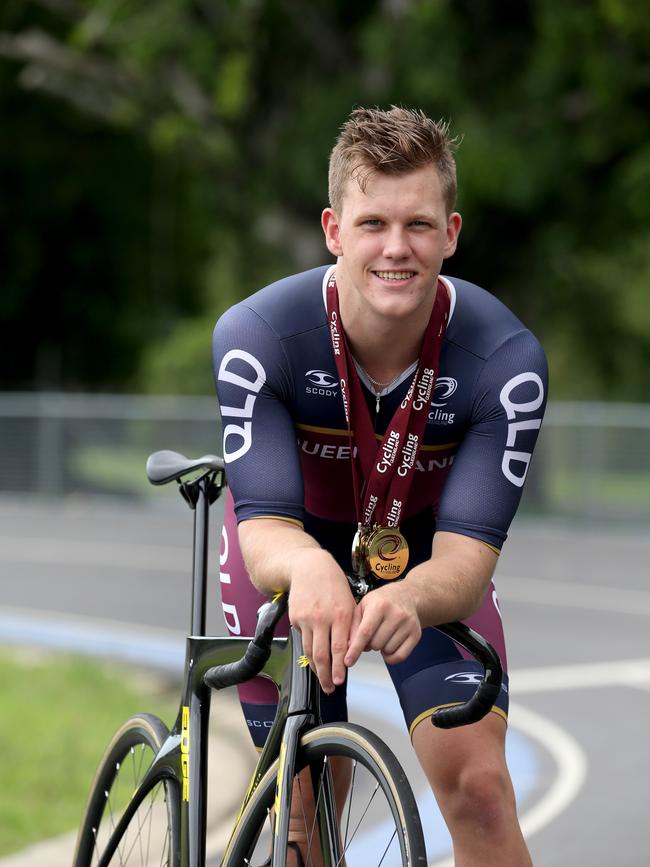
(472, 678)
(321, 383)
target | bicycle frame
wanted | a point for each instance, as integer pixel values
(183, 757)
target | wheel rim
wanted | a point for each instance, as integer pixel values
(368, 830)
(146, 841)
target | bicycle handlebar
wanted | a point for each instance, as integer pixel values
(165, 466)
(257, 652)
(474, 709)
(487, 692)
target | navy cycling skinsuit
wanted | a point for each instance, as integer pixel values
(288, 456)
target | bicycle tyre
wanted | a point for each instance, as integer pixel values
(374, 756)
(125, 761)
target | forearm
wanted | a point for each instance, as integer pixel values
(452, 583)
(281, 557)
(275, 551)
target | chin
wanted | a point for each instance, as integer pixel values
(397, 309)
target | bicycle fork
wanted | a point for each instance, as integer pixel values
(303, 713)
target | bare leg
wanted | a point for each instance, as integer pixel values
(467, 771)
(302, 827)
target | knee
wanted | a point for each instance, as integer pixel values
(480, 797)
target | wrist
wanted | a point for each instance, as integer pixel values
(305, 562)
(411, 592)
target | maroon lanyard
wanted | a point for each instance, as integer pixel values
(388, 470)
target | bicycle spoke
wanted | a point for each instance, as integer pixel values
(146, 817)
(393, 835)
(304, 819)
(363, 815)
(323, 771)
(360, 815)
(146, 841)
(347, 822)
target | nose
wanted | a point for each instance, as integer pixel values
(396, 244)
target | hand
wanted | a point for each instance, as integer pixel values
(386, 620)
(321, 606)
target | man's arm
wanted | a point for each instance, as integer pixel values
(266, 482)
(280, 556)
(449, 586)
(478, 502)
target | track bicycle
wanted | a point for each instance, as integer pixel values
(147, 804)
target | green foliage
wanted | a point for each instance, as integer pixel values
(199, 133)
(56, 717)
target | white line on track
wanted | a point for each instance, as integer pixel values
(589, 675)
(80, 552)
(569, 757)
(571, 763)
(573, 594)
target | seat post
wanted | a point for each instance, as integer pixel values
(200, 554)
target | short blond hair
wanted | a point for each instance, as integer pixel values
(391, 142)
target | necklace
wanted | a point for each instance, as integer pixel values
(378, 387)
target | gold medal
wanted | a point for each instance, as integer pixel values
(386, 552)
(359, 562)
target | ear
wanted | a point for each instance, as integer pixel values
(330, 223)
(454, 223)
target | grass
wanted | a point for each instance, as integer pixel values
(116, 470)
(56, 716)
(608, 489)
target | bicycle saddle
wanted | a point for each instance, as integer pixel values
(165, 466)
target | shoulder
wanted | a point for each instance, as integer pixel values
(481, 324)
(287, 307)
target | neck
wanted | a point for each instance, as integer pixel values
(384, 347)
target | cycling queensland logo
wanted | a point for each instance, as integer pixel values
(444, 389)
(321, 383)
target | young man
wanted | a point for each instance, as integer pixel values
(384, 417)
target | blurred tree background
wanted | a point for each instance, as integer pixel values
(160, 159)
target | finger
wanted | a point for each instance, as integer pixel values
(339, 647)
(393, 642)
(402, 651)
(363, 634)
(322, 660)
(307, 645)
(388, 634)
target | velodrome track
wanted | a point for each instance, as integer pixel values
(577, 610)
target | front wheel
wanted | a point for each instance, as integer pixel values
(376, 814)
(152, 835)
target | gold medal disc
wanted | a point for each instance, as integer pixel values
(387, 552)
(359, 563)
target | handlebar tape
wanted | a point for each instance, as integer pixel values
(487, 692)
(257, 652)
(471, 711)
(248, 666)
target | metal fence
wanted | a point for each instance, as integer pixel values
(592, 460)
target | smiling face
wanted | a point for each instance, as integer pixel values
(390, 241)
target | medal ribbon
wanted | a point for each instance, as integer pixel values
(388, 470)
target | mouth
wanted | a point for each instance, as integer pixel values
(395, 276)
